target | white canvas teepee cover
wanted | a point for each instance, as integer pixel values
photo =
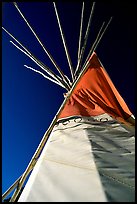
(90, 153)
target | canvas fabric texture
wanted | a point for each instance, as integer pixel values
(86, 159)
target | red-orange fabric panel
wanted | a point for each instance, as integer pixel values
(95, 94)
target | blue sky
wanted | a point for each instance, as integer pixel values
(29, 101)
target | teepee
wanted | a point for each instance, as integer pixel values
(87, 153)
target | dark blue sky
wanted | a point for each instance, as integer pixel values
(29, 101)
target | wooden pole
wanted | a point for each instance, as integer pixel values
(93, 46)
(44, 48)
(80, 33)
(44, 75)
(12, 187)
(29, 57)
(64, 42)
(38, 62)
(96, 42)
(85, 40)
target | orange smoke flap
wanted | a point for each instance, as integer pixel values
(95, 94)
